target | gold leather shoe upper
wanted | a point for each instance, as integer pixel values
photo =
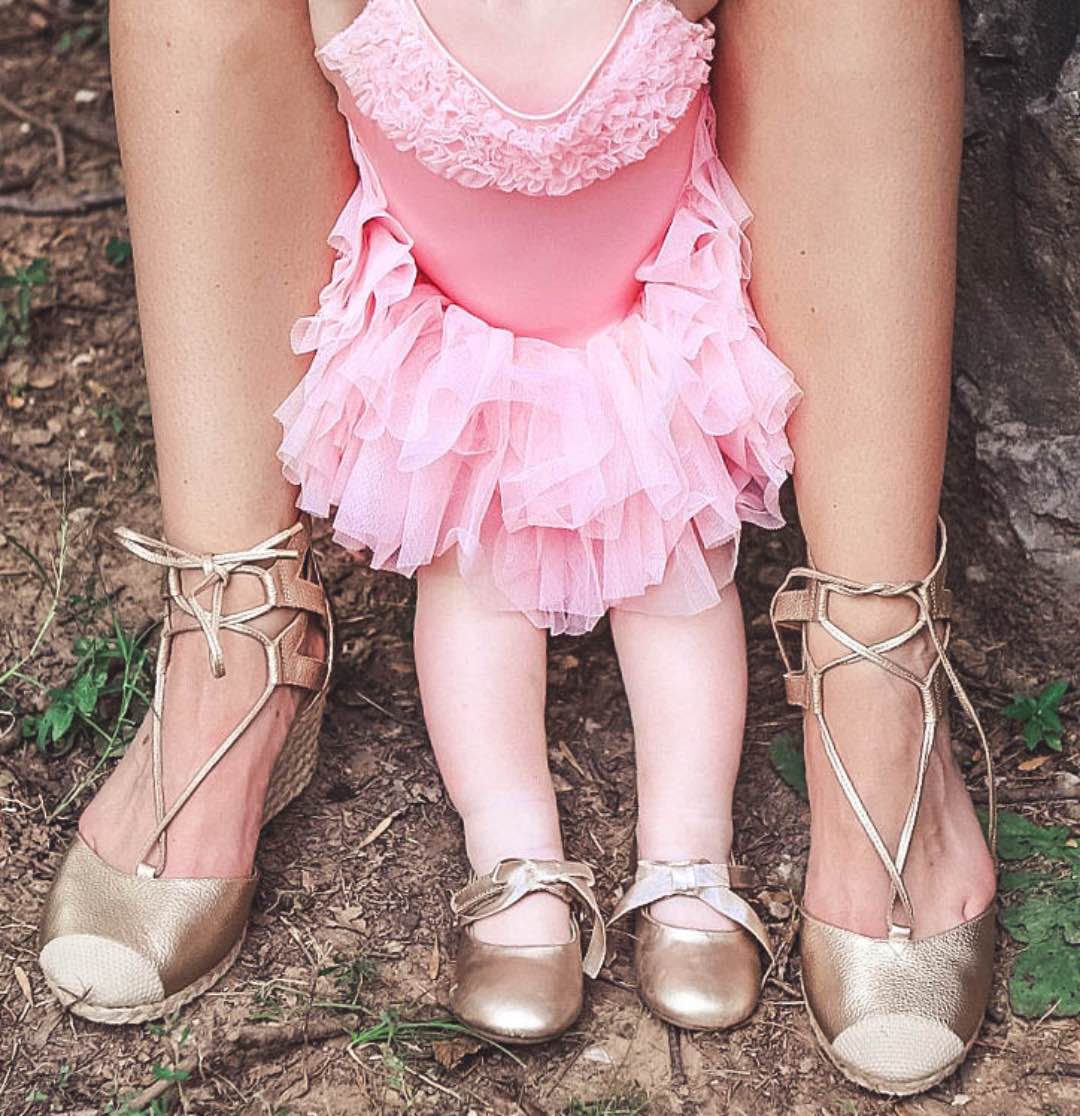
(526, 993)
(195, 923)
(896, 1014)
(697, 979)
(119, 947)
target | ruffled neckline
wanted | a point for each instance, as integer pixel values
(390, 65)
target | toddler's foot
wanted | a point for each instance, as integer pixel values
(527, 831)
(686, 838)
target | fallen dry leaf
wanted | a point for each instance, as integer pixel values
(378, 831)
(452, 1052)
(23, 982)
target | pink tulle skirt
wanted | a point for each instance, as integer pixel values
(570, 478)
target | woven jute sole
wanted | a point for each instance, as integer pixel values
(292, 772)
(877, 1085)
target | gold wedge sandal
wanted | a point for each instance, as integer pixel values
(896, 1014)
(523, 993)
(124, 948)
(696, 979)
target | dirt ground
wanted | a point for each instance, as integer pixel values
(352, 905)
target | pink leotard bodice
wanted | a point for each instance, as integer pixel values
(438, 138)
(537, 346)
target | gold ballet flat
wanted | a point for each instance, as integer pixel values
(700, 980)
(896, 1014)
(119, 947)
(523, 993)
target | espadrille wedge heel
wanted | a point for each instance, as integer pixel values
(119, 947)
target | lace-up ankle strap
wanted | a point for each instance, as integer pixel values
(284, 566)
(797, 608)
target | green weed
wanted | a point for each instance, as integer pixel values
(118, 251)
(633, 1104)
(1043, 915)
(1039, 715)
(786, 754)
(350, 976)
(16, 297)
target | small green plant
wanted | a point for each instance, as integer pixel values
(164, 1073)
(110, 415)
(1043, 914)
(15, 309)
(115, 666)
(632, 1104)
(786, 753)
(350, 976)
(118, 251)
(1039, 715)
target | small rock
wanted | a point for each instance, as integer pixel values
(85, 97)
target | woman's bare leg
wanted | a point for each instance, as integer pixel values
(235, 164)
(841, 123)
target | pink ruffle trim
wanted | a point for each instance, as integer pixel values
(424, 103)
(570, 479)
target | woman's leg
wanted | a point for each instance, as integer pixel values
(235, 164)
(483, 682)
(841, 124)
(685, 678)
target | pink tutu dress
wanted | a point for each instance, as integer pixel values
(536, 345)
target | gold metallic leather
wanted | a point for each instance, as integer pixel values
(123, 947)
(895, 1014)
(523, 993)
(528, 993)
(696, 979)
(192, 924)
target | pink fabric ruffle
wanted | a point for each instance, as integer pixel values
(570, 479)
(424, 102)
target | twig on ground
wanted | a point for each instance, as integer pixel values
(1033, 794)
(42, 122)
(678, 1070)
(59, 207)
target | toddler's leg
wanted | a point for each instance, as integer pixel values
(685, 679)
(483, 681)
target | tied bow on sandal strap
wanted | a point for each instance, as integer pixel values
(696, 979)
(124, 948)
(895, 1014)
(526, 993)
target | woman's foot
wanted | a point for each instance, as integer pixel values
(876, 723)
(199, 712)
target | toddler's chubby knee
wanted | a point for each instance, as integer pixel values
(328, 17)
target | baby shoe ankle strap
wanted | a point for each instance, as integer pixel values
(513, 879)
(712, 883)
